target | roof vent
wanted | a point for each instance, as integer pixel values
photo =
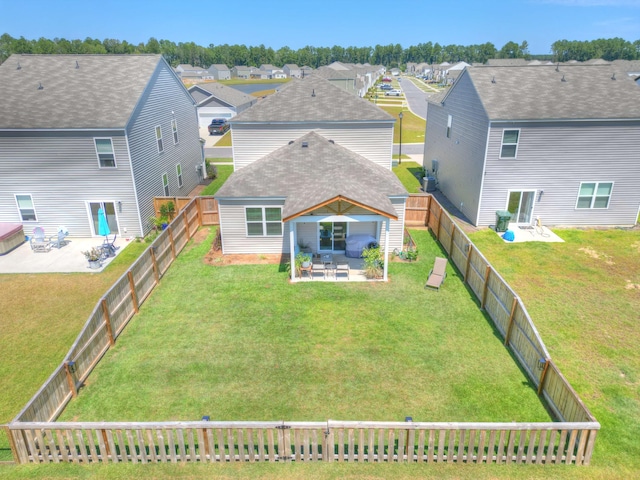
(290, 142)
(493, 80)
(313, 92)
(331, 141)
(305, 144)
(40, 87)
(18, 67)
(562, 79)
(77, 64)
(613, 77)
(558, 67)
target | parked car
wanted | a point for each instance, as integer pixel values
(393, 93)
(218, 126)
(386, 86)
(386, 79)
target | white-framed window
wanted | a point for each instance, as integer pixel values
(179, 175)
(159, 138)
(25, 208)
(509, 148)
(104, 150)
(449, 123)
(594, 195)
(263, 221)
(165, 183)
(174, 130)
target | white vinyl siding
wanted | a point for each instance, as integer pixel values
(25, 208)
(159, 138)
(264, 221)
(105, 153)
(594, 195)
(174, 130)
(179, 175)
(252, 142)
(510, 140)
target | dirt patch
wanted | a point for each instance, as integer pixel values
(632, 286)
(217, 258)
(597, 255)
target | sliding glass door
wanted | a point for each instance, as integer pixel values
(521, 206)
(332, 236)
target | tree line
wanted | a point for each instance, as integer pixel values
(392, 55)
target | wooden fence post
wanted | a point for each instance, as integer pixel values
(12, 444)
(428, 213)
(173, 245)
(107, 321)
(543, 375)
(486, 286)
(70, 380)
(134, 297)
(156, 273)
(466, 268)
(507, 334)
(186, 224)
(199, 207)
(453, 232)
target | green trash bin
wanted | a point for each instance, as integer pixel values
(502, 220)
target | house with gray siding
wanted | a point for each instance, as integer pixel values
(292, 70)
(558, 142)
(219, 71)
(312, 165)
(83, 132)
(240, 71)
(215, 100)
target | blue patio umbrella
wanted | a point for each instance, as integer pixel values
(103, 226)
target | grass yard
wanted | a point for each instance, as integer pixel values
(41, 315)
(406, 171)
(224, 171)
(584, 297)
(241, 343)
(225, 141)
(413, 127)
(219, 160)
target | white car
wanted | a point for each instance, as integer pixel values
(393, 93)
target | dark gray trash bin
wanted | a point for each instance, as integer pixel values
(502, 220)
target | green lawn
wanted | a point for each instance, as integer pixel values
(413, 127)
(265, 350)
(406, 171)
(219, 160)
(224, 171)
(225, 141)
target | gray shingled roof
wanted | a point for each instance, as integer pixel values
(228, 95)
(309, 176)
(539, 92)
(100, 93)
(312, 99)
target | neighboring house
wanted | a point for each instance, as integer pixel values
(240, 71)
(568, 155)
(311, 159)
(81, 132)
(189, 73)
(215, 100)
(292, 70)
(219, 72)
(259, 74)
(306, 71)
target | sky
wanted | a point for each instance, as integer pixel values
(297, 23)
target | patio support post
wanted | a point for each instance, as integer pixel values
(386, 249)
(292, 250)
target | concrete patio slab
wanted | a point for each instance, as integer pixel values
(67, 259)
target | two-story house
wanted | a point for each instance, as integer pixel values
(83, 132)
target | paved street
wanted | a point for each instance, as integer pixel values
(416, 98)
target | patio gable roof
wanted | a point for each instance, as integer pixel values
(312, 172)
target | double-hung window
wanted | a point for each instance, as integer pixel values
(26, 208)
(174, 129)
(179, 175)
(165, 184)
(264, 221)
(159, 138)
(106, 155)
(509, 147)
(594, 195)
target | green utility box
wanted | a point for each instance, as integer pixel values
(502, 220)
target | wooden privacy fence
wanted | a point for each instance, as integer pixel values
(35, 437)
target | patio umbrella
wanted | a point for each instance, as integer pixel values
(103, 226)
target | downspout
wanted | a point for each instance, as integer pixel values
(292, 251)
(386, 249)
(484, 167)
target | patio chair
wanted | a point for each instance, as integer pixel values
(38, 241)
(59, 240)
(437, 274)
(342, 268)
(317, 267)
(108, 247)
